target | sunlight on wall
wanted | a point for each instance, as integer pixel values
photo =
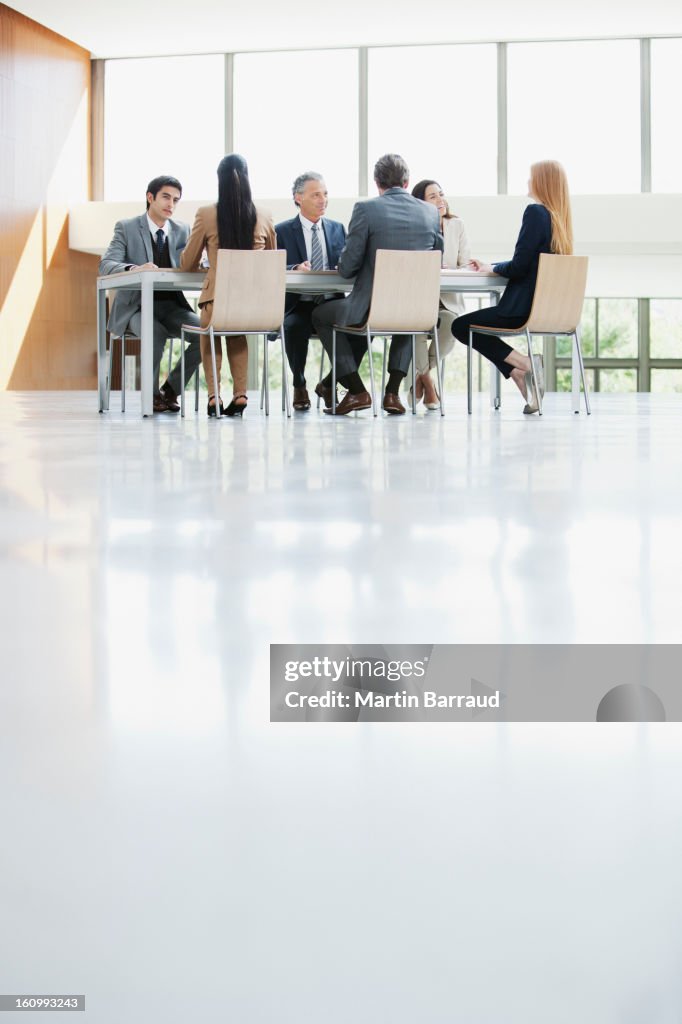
(69, 179)
(68, 183)
(21, 299)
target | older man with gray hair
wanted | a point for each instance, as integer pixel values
(312, 243)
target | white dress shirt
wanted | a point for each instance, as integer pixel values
(155, 227)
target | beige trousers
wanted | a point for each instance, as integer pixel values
(237, 356)
(426, 352)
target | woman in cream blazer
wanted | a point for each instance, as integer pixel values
(456, 254)
(231, 223)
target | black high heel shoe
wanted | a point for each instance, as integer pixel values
(211, 409)
(236, 410)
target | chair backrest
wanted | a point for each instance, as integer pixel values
(405, 291)
(559, 294)
(250, 287)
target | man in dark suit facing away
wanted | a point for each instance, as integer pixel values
(312, 242)
(394, 220)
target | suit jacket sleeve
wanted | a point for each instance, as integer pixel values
(464, 254)
(115, 259)
(529, 243)
(333, 263)
(265, 237)
(191, 254)
(353, 255)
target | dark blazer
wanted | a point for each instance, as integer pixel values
(132, 246)
(535, 237)
(394, 220)
(290, 237)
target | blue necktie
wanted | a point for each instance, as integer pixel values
(160, 240)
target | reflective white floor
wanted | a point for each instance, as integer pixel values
(172, 855)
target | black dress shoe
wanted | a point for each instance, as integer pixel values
(171, 398)
(351, 403)
(325, 394)
(393, 404)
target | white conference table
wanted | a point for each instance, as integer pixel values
(315, 283)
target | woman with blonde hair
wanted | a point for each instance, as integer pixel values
(231, 223)
(546, 227)
(456, 253)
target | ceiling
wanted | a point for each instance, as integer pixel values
(129, 28)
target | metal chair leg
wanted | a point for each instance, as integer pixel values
(266, 382)
(123, 373)
(470, 371)
(196, 389)
(321, 370)
(439, 371)
(111, 370)
(333, 371)
(383, 368)
(182, 371)
(533, 372)
(581, 364)
(285, 385)
(414, 374)
(371, 372)
(216, 382)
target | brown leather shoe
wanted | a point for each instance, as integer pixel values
(302, 399)
(325, 394)
(160, 404)
(393, 404)
(352, 403)
(170, 397)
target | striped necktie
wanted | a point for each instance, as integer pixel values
(316, 257)
(160, 240)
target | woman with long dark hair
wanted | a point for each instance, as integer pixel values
(231, 223)
(546, 227)
(456, 253)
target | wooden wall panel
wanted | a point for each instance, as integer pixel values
(47, 291)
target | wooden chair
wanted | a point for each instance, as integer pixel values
(405, 300)
(249, 297)
(557, 307)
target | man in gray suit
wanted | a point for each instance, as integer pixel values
(394, 220)
(149, 242)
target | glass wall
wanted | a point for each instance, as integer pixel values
(295, 112)
(666, 328)
(444, 108)
(184, 134)
(420, 105)
(577, 103)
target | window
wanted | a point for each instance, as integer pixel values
(577, 103)
(666, 88)
(666, 328)
(617, 328)
(186, 136)
(294, 112)
(666, 381)
(420, 106)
